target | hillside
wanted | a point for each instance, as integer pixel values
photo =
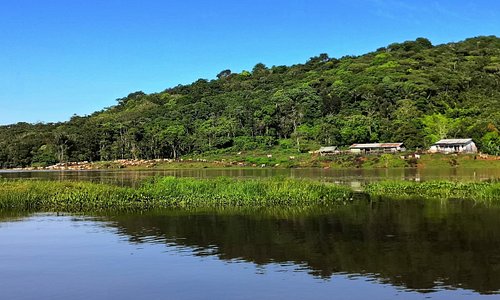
(411, 92)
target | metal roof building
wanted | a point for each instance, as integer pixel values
(328, 150)
(454, 146)
(377, 147)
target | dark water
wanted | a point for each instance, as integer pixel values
(384, 250)
(344, 176)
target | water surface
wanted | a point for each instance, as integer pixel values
(354, 177)
(383, 250)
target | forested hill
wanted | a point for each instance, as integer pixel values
(411, 92)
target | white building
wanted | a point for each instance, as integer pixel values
(454, 146)
(377, 148)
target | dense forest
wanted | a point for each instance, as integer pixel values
(411, 92)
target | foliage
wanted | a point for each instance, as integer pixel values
(491, 142)
(169, 192)
(444, 190)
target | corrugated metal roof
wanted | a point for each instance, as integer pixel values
(376, 145)
(391, 145)
(328, 149)
(453, 142)
(365, 146)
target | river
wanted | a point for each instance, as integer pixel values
(411, 249)
(383, 250)
(353, 177)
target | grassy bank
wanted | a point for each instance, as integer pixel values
(445, 190)
(287, 158)
(168, 192)
(276, 158)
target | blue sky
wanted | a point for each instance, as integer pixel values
(60, 57)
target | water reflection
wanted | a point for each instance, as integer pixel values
(417, 247)
(12, 216)
(409, 244)
(352, 176)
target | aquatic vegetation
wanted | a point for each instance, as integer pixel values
(477, 191)
(232, 192)
(169, 192)
(190, 193)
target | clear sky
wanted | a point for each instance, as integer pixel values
(61, 57)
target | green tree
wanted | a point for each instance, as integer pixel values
(174, 137)
(437, 126)
(491, 143)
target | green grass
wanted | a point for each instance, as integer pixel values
(169, 192)
(189, 193)
(256, 158)
(445, 190)
(278, 157)
(281, 159)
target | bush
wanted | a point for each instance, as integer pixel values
(286, 144)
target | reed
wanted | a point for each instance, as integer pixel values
(169, 192)
(445, 190)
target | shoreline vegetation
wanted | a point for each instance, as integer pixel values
(189, 193)
(281, 160)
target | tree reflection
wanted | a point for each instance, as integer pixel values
(407, 243)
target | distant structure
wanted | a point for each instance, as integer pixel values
(331, 150)
(454, 146)
(377, 148)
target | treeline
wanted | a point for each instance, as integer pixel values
(411, 92)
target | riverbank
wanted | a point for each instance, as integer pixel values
(171, 192)
(283, 159)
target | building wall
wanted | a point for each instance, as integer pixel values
(468, 148)
(377, 150)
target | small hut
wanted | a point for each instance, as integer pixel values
(377, 148)
(331, 150)
(454, 146)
